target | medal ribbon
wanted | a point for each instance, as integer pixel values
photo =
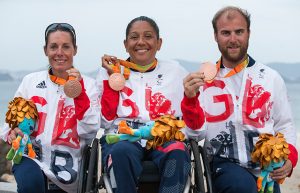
(130, 65)
(58, 80)
(137, 67)
(236, 69)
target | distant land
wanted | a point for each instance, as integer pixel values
(5, 76)
(289, 71)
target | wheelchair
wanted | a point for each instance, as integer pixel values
(90, 181)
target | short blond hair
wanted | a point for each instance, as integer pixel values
(243, 12)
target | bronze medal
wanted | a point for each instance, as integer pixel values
(116, 81)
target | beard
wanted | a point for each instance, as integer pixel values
(234, 57)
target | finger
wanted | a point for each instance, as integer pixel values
(18, 131)
(107, 59)
(111, 59)
(192, 88)
(74, 73)
(109, 56)
(191, 80)
(286, 168)
(195, 86)
(9, 139)
(282, 172)
(277, 173)
(195, 80)
(11, 136)
(106, 63)
(278, 177)
(72, 70)
(77, 75)
(187, 78)
(191, 76)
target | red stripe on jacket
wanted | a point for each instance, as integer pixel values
(109, 102)
(193, 114)
(82, 102)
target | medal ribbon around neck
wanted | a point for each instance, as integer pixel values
(130, 65)
(58, 80)
(236, 69)
(72, 87)
(137, 67)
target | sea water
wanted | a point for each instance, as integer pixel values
(7, 92)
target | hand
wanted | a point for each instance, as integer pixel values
(107, 60)
(192, 84)
(74, 73)
(13, 135)
(282, 172)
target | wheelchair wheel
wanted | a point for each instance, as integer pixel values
(197, 181)
(88, 173)
(207, 172)
(82, 171)
(92, 175)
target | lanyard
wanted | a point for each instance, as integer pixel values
(236, 69)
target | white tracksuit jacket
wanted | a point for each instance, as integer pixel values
(237, 109)
(61, 133)
(146, 96)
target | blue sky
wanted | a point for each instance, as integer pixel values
(185, 27)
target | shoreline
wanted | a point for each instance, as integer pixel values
(292, 184)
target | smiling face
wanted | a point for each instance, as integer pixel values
(142, 43)
(232, 36)
(60, 51)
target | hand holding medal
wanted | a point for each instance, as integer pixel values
(73, 88)
(113, 66)
(116, 80)
(192, 83)
(209, 71)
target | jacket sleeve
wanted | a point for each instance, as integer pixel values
(193, 114)
(87, 109)
(283, 119)
(109, 100)
(82, 102)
